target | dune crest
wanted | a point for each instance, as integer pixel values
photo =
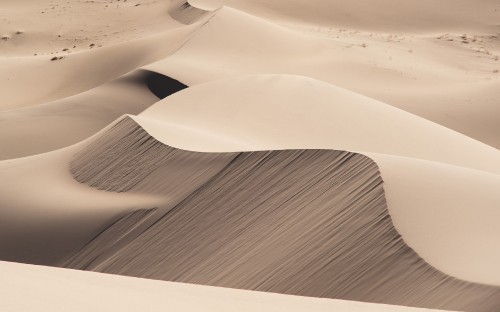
(240, 228)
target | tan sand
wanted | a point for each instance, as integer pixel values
(453, 83)
(409, 91)
(68, 121)
(53, 289)
(360, 124)
(302, 222)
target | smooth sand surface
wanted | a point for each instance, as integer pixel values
(53, 289)
(409, 92)
(443, 75)
(69, 120)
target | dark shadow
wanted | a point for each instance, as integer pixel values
(163, 86)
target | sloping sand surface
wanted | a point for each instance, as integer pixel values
(67, 121)
(54, 216)
(410, 16)
(91, 47)
(307, 109)
(241, 228)
(437, 75)
(53, 289)
(358, 124)
(326, 148)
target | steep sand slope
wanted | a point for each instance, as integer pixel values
(426, 74)
(49, 126)
(46, 214)
(304, 222)
(313, 114)
(53, 290)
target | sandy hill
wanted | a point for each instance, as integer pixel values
(333, 149)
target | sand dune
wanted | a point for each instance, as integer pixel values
(86, 50)
(381, 65)
(308, 108)
(333, 149)
(67, 121)
(360, 124)
(411, 16)
(240, 228)
(58, 289)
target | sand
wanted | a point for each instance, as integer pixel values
(303, 222)
(55, 289)
(337, 149)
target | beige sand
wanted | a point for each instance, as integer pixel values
(303, 222)
(53, 289)
(453, 83)
(67, 121)
(358, 124)
(341, 75)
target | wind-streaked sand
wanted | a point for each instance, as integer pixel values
(337, 148)
(303, 222)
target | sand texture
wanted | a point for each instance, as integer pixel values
(301, 222)
(275, 155)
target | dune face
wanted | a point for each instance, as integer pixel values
(454, 84)
(428, 169)
(242, 227)
(299, 152)
(67, 121)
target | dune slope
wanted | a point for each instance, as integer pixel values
(327, 148)
(428, 169)
(444, 76)
(244, 227)
(53, 125)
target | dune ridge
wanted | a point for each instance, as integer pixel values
(240, 228)
(70, 120)
(428, 169)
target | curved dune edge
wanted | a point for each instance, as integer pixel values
(366, 62)
(54, 79)
(70, 120)
(62, 290)
(428, 170)
(310, 111)
(240, 228)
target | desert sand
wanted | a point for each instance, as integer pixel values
(62, 290)
(290, 150)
